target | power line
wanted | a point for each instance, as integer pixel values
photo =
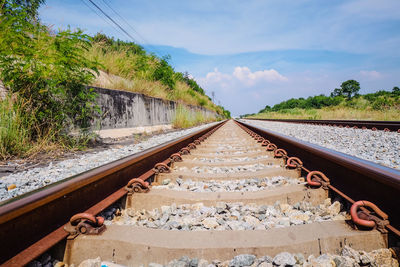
(119, 26)
(108, 22)
(133, 29)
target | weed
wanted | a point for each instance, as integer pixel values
(185, 118)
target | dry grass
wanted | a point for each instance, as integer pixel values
(150, 88)
(16, 127)
(185, 118)
(334, 113)
(118, 72)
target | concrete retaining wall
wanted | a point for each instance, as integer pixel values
(121, 109)
(3, 91)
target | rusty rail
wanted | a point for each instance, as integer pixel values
(357, 178)
(33, 223)
(363, 218)
(375, 125)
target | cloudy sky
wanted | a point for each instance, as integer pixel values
(256, 53)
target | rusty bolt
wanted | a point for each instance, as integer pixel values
(367, 222)
(321, 178)
(294, 162)
(279, 153)
(271, 147)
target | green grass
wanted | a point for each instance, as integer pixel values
(128, 71)
(185, 118)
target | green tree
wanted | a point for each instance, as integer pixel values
(50, 71)
(165, 73)
(30, 6)
(396, 90)
(350, 88)
(337, 92)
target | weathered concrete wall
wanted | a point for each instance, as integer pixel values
(3, 91)
(121, 109)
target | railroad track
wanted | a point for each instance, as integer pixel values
(228, 190)
(361, 124)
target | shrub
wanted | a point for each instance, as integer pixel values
(382, 103)
(49, 71)
(165, 73)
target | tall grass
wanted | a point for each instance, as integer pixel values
(121, 71)
(185, 118)
(15, 127)
(21, 134)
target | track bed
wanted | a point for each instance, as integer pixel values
(227, 197)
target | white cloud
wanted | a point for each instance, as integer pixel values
(249, 78)
(243, 76)
(371, 74)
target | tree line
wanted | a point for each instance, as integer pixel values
(348, 93)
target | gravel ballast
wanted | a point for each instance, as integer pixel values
(239, 159)
(347, 257)
(233, 169)
(244, 185)
(230, 216)
(377, 146)
(35, 178)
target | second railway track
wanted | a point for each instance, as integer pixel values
(235, 191)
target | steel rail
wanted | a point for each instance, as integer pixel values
(357, 178)
(318, 179)
(379, 125)
(33, 223)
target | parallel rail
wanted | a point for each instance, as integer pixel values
(33, 223)
(379, 125)
(360, 179)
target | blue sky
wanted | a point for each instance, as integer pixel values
(257, 53)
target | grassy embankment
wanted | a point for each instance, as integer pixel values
(382, 106)
(128, 67)
(46, 73)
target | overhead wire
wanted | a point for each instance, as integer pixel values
(99, 15)
(113, 21)
(133, 29)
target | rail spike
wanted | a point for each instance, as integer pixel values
(321, 179)
(271, 147)
(192, 146)
(184, 151)
(280, 153)
(294, 162)
(161, 168)
(265, 142)
(364, 219)
(136, 185)
(84, 223)
(176, 157)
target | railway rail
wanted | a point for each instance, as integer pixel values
(362, 124)
(227, 190)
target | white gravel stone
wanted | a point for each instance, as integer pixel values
(244, 185)
(380, 257)
(228, 169)
(227, 216)
(35, 178)
(236, 159)
(377, 146)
